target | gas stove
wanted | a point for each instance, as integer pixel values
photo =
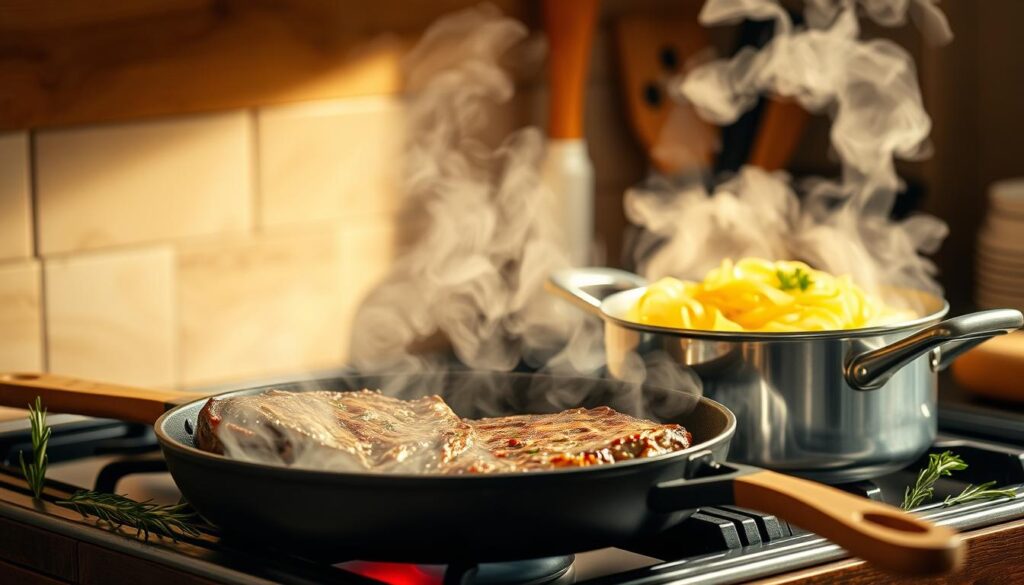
(722, 544)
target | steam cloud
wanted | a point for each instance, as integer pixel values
(425, 435)
(474, 275)
(477, 271)
(870, 90)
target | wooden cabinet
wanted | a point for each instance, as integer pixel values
(29, 555)
(38, 551)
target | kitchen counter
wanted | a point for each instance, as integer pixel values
(995, 555)
(41, 542)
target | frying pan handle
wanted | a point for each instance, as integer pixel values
(587, 287)
(878, 533)
(872, 369)
(75, 396)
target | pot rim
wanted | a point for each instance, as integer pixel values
(745, 336)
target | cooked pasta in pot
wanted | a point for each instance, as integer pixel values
(760, 295)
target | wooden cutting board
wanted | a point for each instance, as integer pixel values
(994, 369)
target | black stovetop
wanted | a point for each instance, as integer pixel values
(722, 544)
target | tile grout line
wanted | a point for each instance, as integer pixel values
(33, 191)
(256, 188)
(178, 345)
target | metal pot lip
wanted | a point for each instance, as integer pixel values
(171, 445)
(747, 336)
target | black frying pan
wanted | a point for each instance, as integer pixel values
(507, 516)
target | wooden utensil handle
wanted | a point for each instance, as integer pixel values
(85, 397)
(875, 532)
(569, 25)
(782, 126)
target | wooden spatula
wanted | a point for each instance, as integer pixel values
(651, 50)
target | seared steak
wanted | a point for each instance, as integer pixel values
(572, 438)
(366, 430)
(373, 430)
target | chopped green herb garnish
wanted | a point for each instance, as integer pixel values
(798, 279)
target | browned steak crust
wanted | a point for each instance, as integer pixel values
(573, 438)
(375, 432)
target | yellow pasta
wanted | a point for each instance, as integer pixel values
(761, 295)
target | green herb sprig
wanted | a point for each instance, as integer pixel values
(170, 521)
(115, 510)
(35, 472)
(978, 492)
(798, 279)
(943, 465)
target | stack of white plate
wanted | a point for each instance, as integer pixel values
(999, 264)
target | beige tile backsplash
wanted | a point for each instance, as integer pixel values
(259, 306)
(143, 182)
(110, 316)
(367, 252)
(15, 199)
(329, 161)
(198, 250)
(21, 342)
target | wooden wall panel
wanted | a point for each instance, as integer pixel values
(66, 62)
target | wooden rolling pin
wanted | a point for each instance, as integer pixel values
(994, 369)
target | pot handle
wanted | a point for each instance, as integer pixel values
(88, 398)
(872, 369)
(587, 287)
(878, 533)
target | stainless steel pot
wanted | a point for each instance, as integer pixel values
(831, 406)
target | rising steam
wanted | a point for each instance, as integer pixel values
(870, 90)
(476, 273)
(311, 427)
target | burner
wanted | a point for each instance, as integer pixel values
(546, 571)
(111, 473)
(864, 488)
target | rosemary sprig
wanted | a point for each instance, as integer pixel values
(939, 465)
(943, 465)
(798, 279)
(35, 472)
(978, 492)
(115, 510)
(171, 521)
